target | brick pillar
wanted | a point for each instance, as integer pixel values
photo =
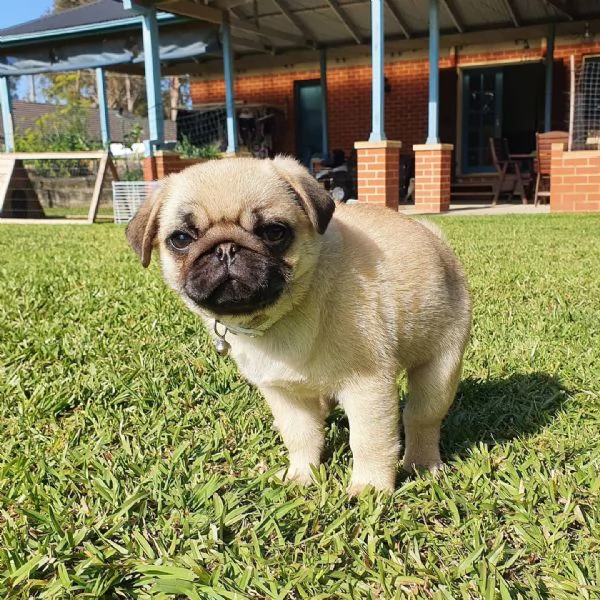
(574, 180)
(378, 172)
(164, 163)
(433, 168)
(150, 173)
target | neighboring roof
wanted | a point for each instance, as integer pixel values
(25, 115)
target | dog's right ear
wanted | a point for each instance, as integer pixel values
(142, 229)
(316, 202)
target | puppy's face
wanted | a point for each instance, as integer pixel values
(234, 234)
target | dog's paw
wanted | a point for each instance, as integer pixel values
(381, 476)
(295, 474)
(356, 489)
(413, 466)
(379, 484)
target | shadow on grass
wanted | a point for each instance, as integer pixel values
(491, 411)
(487, 411)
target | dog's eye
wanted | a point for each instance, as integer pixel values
(180, 240)
(273, 233)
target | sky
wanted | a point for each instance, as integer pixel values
(21, 11)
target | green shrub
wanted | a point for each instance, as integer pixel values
(186, 149)
(132, 175)
(134, 136)
(64, 130)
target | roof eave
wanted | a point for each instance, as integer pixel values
(79, 30)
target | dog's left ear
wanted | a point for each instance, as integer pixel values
(142, 229)
(316, 201)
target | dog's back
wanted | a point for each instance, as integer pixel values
(420, 284)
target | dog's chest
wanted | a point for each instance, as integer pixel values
(264, 369)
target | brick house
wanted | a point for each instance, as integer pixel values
(349, 92)
(408, 84)
(516, 54)
(513, 69)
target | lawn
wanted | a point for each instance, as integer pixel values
(136, 463)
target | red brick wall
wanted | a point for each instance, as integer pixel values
(378, 173)
(165, 163)
(575, 182)
(349, 95)
(349, 101)
(433, 166)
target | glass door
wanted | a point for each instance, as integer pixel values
(482, 117)
(309, 122)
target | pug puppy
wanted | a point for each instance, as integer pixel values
(318, 303)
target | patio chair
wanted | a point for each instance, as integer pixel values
(543, 142)
(504, 162)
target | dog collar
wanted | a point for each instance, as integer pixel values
(222, 346)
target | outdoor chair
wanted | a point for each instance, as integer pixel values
(544, 143)
(505, 162)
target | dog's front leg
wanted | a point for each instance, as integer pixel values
(373, 412)
(300, 421)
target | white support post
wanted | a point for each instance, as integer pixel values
(433, 135)
(232, 137)
(378, 82)
(7, 122)
(152, 72)
(103, 107)
(324, 110)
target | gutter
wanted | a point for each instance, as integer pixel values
(7, 41)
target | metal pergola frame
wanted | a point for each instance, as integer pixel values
(250, 36)
(223, 13)
(226, 14)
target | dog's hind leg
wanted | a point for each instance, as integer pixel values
(431, 391)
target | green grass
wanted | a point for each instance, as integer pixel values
(135, 463)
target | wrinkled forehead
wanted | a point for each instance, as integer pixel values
(202, 197)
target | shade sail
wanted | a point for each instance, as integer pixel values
(114, 51)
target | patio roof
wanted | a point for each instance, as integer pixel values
(269, 31)
(279, 26)
(100, 34)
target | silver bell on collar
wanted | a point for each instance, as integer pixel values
(222, 346)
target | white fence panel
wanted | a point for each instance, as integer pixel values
(128, 196)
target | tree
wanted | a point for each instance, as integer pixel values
(13, 83)
(62, 5)
(124, 92)
(65, 129)
(175, 94)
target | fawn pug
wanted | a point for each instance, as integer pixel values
(317, 303)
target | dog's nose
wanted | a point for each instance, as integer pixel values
(226, 252)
